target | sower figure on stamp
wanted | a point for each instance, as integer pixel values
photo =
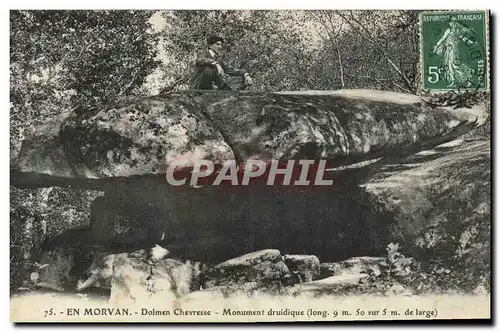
(456, 72)
(210, 72)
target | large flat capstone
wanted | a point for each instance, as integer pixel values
(92, 147)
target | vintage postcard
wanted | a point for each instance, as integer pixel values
(249, 166)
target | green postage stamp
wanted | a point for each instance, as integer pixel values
(454, 50)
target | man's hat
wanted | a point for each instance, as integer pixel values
(214, 39)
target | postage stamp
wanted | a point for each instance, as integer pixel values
(249, 166)
(454, 50)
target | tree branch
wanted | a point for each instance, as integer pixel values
(325, 18)
(172, 86)
(129, 86)
(367, 36)
(341, 68)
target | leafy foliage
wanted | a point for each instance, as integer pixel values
(36, 215)
(303, 50)
(61, 60)
(373, 49)
(461, 273)
(64, 59)
(399, 274)
(265, 43)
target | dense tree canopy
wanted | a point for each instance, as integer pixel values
(301, 50)
(63, 59)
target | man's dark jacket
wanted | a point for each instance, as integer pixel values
(205, 71)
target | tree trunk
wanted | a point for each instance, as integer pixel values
(341, 68)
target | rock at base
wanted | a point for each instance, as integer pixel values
(138, 276)
(306, 266)
(264, 267)
(351, 266)
(57, 265)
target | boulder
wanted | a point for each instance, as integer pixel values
(352, 266)
(56, 267)
(306, 266)
(140, 275)
(44, 152)
(263, 267)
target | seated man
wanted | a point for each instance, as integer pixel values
(210, 73)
